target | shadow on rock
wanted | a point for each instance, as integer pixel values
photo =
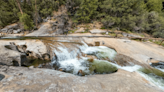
(1, 77)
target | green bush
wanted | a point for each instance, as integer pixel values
(27, 21)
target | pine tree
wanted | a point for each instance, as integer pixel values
(154, 5)
(87, 10)
(27, 22)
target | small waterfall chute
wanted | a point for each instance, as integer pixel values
(67, 60)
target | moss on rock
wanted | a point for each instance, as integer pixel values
(100, 67)
(152, 70)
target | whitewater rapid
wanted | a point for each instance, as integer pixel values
(68, 61)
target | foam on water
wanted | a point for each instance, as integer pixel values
(160, 69)
(128, 68)
(101, 52)
(68, 60)
(73, 65)
(156, 80)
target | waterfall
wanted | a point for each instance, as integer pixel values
(68, 60)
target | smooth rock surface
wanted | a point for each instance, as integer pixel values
(19, 79)
(9, 29)
(8, 56)
(42, 31)
(139, 51)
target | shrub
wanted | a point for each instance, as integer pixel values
(27, 21)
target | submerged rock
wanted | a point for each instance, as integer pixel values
(101, 67)
(150, 70)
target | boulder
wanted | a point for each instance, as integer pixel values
(42, 31)
(9, 29)
(125, 34)
(11, 47)
(4, 30)
(158, 65)
(1, 77)
(80, 30)
(19, 53)
(16, 31)
(97, 31)
(45, 20)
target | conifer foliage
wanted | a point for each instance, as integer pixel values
(126, 15)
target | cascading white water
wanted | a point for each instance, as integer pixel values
(101, 52)
(68, 61)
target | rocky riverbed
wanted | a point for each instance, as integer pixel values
(19, 71)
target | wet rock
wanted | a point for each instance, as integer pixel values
(1, 77)
(158, 65)
(124, 60)
(46, 56)
(97, 43)
(23, 53)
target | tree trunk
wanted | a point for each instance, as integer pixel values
(36, 22)
(19, 7)
(161, 42)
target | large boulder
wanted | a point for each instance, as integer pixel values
(16, 31)
(81, 30)
(1, 77)
(9, 29)
(42, 31)
(25, 53)
(21, 79)
(97, 31)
